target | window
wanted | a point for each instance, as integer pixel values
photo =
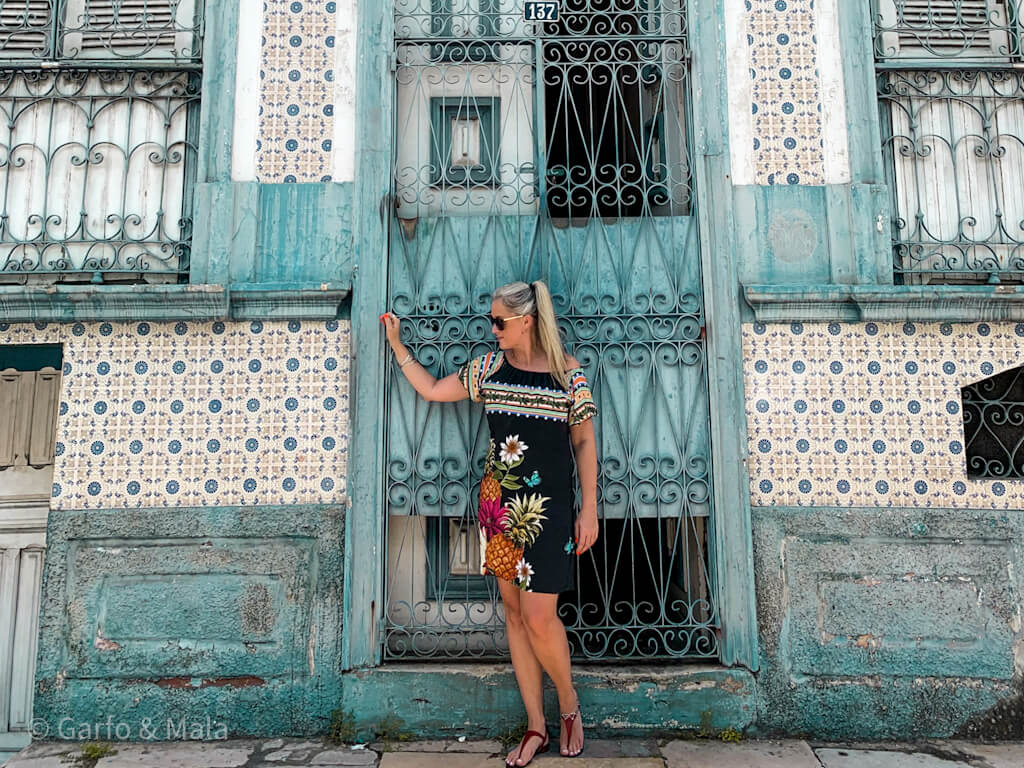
(29, 393)
(994, 425)
(593, 119)
(952, 102)
(454, 560)
(465, 140)
(99, 105)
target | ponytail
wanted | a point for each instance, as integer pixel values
(547, 333)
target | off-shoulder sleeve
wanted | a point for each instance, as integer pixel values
(583, 406)
(473, 373)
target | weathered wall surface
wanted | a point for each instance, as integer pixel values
(227, 620)
(195, 537)
(888, 587)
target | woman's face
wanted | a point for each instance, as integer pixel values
(516, 331)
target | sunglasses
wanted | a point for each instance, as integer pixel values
(499, 322)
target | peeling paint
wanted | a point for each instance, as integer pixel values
(102, 644)
(869, 642)
(311, 647)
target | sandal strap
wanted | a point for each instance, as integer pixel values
(526, 737)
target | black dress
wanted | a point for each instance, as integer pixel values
(526, 508)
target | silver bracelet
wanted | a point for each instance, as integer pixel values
(408, 359)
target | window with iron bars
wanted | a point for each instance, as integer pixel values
(950, 91)
(99, 108)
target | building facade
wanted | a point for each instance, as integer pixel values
(783, 237)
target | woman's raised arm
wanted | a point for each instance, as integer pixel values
(446, 390)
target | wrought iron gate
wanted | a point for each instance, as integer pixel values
(560, 151)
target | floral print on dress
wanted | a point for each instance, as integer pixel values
(527, 506)
(511, 528)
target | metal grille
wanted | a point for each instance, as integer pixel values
(952, 131)
(557, 151)
(994, 425)
(98, 145)
(111, 32)
(96, 170)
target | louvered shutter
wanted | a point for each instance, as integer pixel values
(128, 29)
(10, 404)
(26, 28)
(945, 30)
(43, 424)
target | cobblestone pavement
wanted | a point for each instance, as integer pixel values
(605, 753)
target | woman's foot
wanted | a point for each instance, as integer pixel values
(571, 736)
(534, 741)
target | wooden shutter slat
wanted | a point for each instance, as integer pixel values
(44, 417)
(10, 389)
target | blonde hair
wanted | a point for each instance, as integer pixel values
(535, 299)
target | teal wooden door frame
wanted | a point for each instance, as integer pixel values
(364, 574)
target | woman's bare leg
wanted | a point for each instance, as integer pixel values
(551, 648)
(529, 674)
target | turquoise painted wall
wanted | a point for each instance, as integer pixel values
(157, 615)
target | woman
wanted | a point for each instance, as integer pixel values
(538, 407)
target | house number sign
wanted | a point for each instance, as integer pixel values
(540, 10)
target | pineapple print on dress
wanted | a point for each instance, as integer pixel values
(509, 529)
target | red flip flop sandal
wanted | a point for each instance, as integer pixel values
(546, 737)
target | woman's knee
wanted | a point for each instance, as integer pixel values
(513, 616)
(537, 619)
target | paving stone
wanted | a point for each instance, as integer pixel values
(44, 754)
(878, 758)
(48, 761)
(273, 744)
(746, 754)
(408, 746)
(484, 747)
(618, 747)
(996, 755)
(344, 756)
(448, 760)
(180, 754)
(296, 751)
(49, 749)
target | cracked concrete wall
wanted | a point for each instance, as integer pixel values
(223, 614)
(889, 623)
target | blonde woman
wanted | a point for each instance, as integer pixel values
(539, 412)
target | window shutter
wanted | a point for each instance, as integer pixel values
(128, 29)
(943, 30)
(25, 28)
(9, 384)
(43, 425)
(13, 386)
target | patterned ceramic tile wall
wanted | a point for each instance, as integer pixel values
(870, 414)
(296, 115)
(198, 414)
(786, 100)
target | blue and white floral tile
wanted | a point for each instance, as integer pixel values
(870, 414)
(785, 93)
(296, 112)
(198, 414)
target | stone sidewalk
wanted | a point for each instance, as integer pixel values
(620, 753)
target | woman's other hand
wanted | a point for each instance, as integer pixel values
(586, 530)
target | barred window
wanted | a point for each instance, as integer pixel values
(994, 425)
(99, 106)
(952, 101)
